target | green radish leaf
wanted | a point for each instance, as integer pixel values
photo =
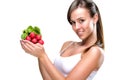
(24, 35)
(29, 30)
(30, 27)
(25, 31)
(37, 30)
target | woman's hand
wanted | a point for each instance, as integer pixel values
(33, 49)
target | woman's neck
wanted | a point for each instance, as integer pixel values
(91, 40)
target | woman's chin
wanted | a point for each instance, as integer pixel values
(82, 37)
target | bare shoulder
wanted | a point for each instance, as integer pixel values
(65, 44)
(96, 55)
(90, 61)
(96, 51)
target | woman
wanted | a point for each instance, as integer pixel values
(77, 60)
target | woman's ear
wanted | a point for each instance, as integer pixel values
(95, 18)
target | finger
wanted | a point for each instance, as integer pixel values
(28, 46)
(22, 44)
(39, 45)
(32, 44)
(25, 47)
(28, 42)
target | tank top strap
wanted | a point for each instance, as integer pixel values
(66, 47)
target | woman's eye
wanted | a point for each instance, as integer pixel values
(81, 20)
(72, 22)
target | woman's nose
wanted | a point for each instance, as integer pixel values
(77, 26)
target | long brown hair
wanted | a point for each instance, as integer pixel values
(93, 9)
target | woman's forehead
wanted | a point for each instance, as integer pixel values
(80, 12)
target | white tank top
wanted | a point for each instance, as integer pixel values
(66, 64)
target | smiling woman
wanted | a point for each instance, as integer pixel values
(77, 60)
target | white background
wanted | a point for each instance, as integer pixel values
(50, 16)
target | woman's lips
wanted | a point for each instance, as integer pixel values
(80, 32)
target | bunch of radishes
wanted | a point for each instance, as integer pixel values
(32, 34)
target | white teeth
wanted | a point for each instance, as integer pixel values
(80, 32)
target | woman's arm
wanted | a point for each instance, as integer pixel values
(89, 62)
(51, 69)
(43, 71)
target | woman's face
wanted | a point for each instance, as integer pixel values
(82, 22)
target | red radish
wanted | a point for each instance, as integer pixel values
(34, 40)
(28, 38)
(41, 41)
(32, 34)
(38, 37)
